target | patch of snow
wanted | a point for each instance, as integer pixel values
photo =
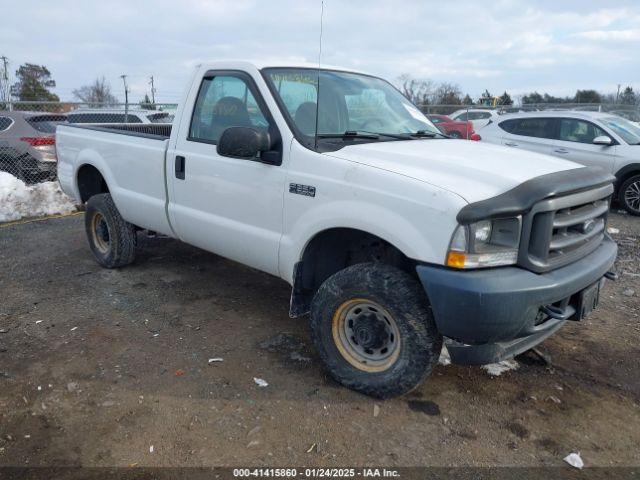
(574, 460)
(444, 359)
(496, 369)
(613, 230)
(18, 200)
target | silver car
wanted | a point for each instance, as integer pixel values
(27, 145)
(590, 138)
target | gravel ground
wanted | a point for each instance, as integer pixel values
(111, 368)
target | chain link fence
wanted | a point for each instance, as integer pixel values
(27, 131)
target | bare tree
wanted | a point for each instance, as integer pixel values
(96, 94)
(419, 92)
(448, 94)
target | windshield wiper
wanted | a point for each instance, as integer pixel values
(350, 134)
(364, 134)
(423, 134)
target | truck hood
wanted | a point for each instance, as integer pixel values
(474, 170)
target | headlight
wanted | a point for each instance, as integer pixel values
(488, 243)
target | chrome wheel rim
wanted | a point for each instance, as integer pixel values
(632, 196)
(366, 335)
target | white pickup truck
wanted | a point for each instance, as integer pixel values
(393, 237)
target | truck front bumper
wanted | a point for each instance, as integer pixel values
(493, 314)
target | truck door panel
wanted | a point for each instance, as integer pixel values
(230, 206)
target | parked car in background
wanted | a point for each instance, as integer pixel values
(479, 117)
(104, 115)
(160, 117)
(590, 138)
(452, 128)
(27, 145)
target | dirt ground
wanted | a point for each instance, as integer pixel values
(111, 368)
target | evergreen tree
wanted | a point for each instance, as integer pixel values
(34, 82)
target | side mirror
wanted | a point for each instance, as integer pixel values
(243, 142)
(603, 140)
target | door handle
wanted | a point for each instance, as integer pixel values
(179, 167)
(511, 144)
(561, 150)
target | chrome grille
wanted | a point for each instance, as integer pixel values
(563, 229)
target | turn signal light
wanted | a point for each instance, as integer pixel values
(455, 259)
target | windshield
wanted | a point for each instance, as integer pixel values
(629, 132)
(349, 102)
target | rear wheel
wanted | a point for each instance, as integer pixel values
(629, 195)
(111, 238)
(455, 134)
(373, 328)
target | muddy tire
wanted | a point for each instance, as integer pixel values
(629, 195)
(111, 238)
(373, 328)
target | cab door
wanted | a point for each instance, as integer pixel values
(232, 207)
(536, 134)
(575, 143)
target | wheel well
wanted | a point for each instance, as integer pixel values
(90, 182)
(333, 250)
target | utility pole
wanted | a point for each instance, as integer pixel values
(126, 98)
(618, 94)
(153, 92)
(5, 88)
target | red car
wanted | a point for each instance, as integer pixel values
(451, 127)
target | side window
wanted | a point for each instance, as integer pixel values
(479, 115)
(533, 127)
(435, 120)
(132, 118)
(5, 123)
(573, 130)
(508, 125)
(463, 117)
(224, 101)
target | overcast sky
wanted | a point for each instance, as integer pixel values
(553, 46)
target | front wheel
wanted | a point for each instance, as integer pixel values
(629, 195)
(111, 238)
(374, 330)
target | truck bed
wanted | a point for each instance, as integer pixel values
(159, 131)
(131, 157)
